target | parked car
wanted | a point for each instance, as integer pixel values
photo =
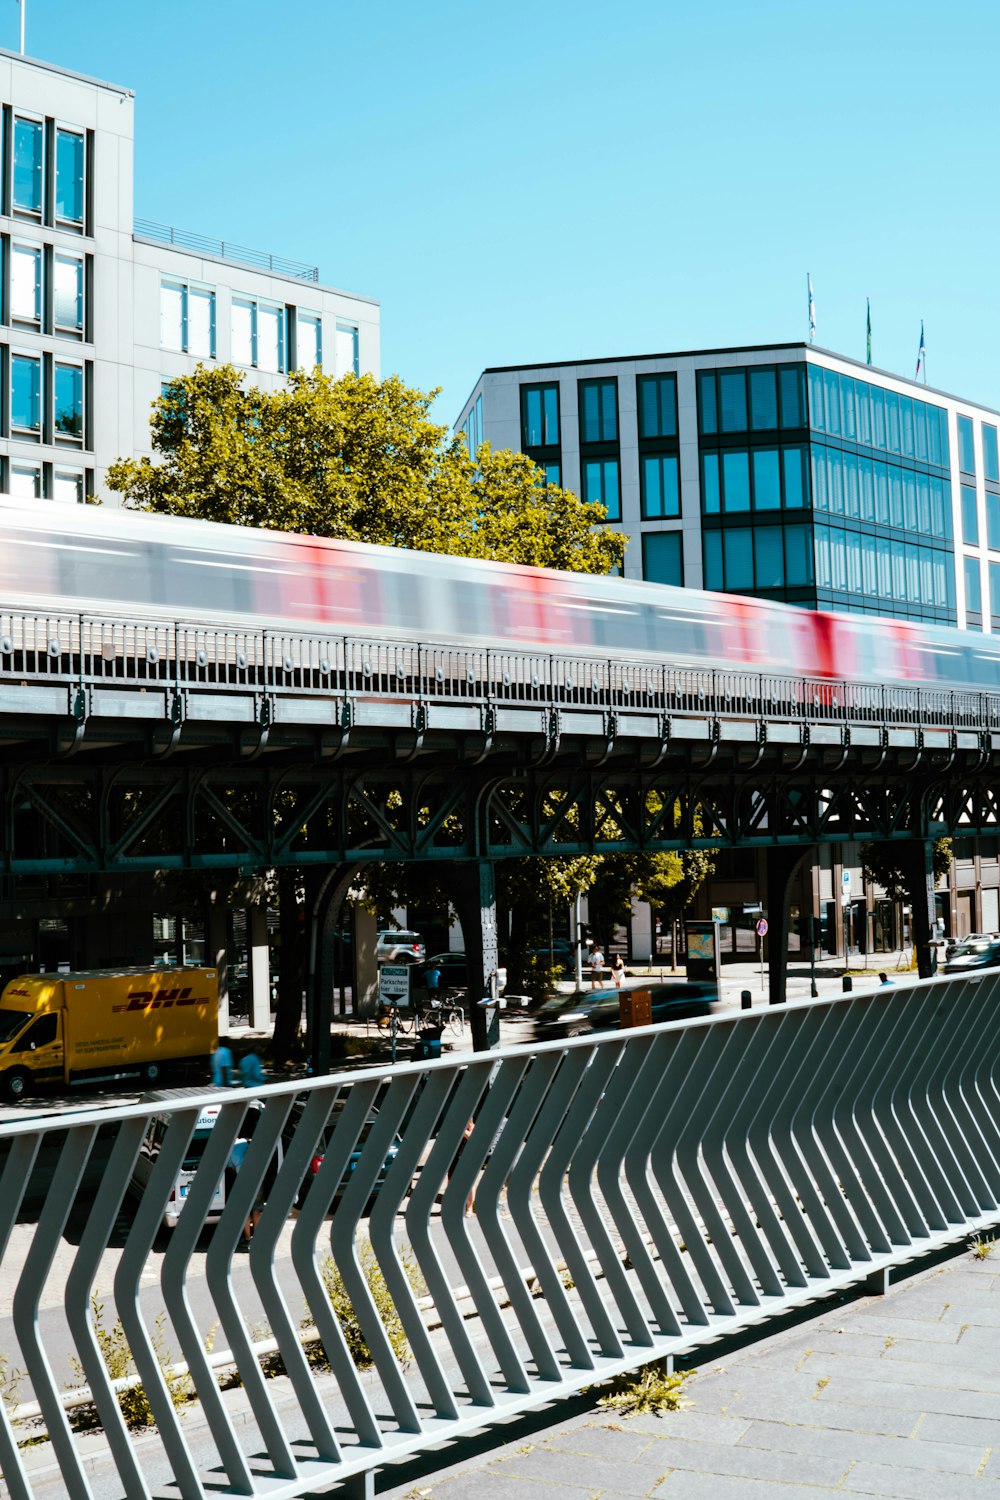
(981, 951)
(454, 972)
(399, 947)
(152, 1143)
(323, 1145)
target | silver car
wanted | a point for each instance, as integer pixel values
(399, 947)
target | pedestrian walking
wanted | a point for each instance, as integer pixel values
(618, 970)
(252, 1073)
(596, 965)
(222, 1064)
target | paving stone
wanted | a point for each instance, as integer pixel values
(977, 1314)
(980, 1432)
(901, 1371)
(486, 1484)
(603, 1441)
(682, 1484)
(916, 1351)
(912, 1397)
(929, 1329)
(916, 1484)
(912, 1453)
(636, 1478)
(778, 1466)
(836, 1415)
(710, 1426)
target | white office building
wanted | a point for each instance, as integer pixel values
(97, 309)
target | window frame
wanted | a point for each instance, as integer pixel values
(60, 436)
(650, 541)
(69, 225)
(645, 512)
(17, 247)
(602, 384)
(32, 433)
(656, 380)
(541, 388)
(65, 330)
(602, 460)
(19, 211)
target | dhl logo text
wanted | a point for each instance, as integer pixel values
(146, 1000)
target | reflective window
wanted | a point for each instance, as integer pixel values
(69, 178)
(600, 483)
(711, 491)
(991, 461)
(26, 284)
(598, 411)
(992, 521)
(553, 474)
(708, 408)
(966, 446)
(661, 495)
(187, 318)
(763, 398)
(735, 479)
(973, 586)
(25, 394)
(28, 167)
(769, 560)
(244, 340)
(662, 557)
(539, 416)
(309, 341)
(347, 351)
(67, 403)
(67, 293)
(995, 590)
(794, 461)
(970, 517)
(737, 557)
(766, 479)
(657, 399)
(26, 481)
(712, 549)
(732, 401)
(270, 337)
(67, 487)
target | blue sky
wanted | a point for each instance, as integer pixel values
(542, 181)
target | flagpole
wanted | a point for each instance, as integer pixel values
(21, 5)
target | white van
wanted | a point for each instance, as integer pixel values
(150, 1150)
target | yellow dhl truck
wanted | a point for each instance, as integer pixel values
(106, 1024)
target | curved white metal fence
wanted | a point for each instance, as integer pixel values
(633, 1197)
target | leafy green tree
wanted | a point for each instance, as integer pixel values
(879, 867)
(355, 458)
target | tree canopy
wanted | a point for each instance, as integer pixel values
(356, 458)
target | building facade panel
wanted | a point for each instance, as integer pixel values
(98, 312)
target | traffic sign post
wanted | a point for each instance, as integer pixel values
(761, 930)
(393, 987)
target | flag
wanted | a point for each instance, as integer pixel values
(812, 309)
(921, 355)
(869, 351)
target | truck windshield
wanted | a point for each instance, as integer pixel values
(11, 1022)
(195, 1152)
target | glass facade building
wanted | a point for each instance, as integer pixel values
(784, 471)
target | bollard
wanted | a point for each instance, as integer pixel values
(746, 999)
(848, 984)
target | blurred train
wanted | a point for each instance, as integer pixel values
(101, 561)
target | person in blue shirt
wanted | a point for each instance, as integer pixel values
(883, 978)
(222, 1064)
(252, 1073)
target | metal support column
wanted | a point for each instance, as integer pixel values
(782, 867)
(217, 956)
(260, 974)
(474, 898)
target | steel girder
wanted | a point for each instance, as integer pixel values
(74, 818)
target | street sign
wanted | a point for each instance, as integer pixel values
(394, 983)
(845, 882)
(762, 927)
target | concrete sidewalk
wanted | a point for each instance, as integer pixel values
(889, 1396)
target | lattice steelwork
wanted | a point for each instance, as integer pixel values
(634, 1197)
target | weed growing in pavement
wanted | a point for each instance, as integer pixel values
(133, 1401)
(982, 1247)
(10, 1381)
(652, 1391)
(346, 1313)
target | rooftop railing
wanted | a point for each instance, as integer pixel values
(203, 244)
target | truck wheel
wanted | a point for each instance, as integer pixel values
(15, 1084)
(151, 1072)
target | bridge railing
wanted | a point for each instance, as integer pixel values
(617, 1201)
(90, 650)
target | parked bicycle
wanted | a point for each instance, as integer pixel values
(444, 1013)
(405, 1020)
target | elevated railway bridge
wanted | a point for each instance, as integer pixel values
(131, 747)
